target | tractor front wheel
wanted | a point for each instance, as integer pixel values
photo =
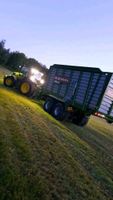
(9, 81)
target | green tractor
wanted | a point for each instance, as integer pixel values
(28, 82)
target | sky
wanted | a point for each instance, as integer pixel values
(71, 32)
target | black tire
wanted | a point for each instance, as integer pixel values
(84, 121)
(109, 121)
(26, 88)
(48, 105)
(9, 81)
(58, 111)
(80, 120)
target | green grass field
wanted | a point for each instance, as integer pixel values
(43, 159)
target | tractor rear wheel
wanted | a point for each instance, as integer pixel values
(9, 81)
(26, 87)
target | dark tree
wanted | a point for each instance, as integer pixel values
(16, 59)
(13, 60)
(4, 53)
(33, 62)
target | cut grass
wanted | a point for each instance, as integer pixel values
(41, 158)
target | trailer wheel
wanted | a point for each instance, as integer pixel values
(58, 111)
(109, 121)
(84, 121)
(25, 87)
(80, 120)
(48, 105)
(9, 81)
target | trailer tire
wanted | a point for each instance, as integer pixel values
(109, 121)
(84, 121)
(81, 121)
(9, 81)
(48, 105)
(58, 111)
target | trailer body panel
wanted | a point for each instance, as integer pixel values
(81, 87)
(106, 106)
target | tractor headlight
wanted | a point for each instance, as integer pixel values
(34, 71)
(32, 78)
(42, 81)
(36, 76)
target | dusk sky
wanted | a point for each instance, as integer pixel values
(60, 31)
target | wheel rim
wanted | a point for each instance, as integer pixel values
(25, 88)
(9, 82)
(57, 111)
(48, 106)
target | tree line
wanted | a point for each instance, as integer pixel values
(12, 60)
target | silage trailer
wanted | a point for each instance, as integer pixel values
(75, 92)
